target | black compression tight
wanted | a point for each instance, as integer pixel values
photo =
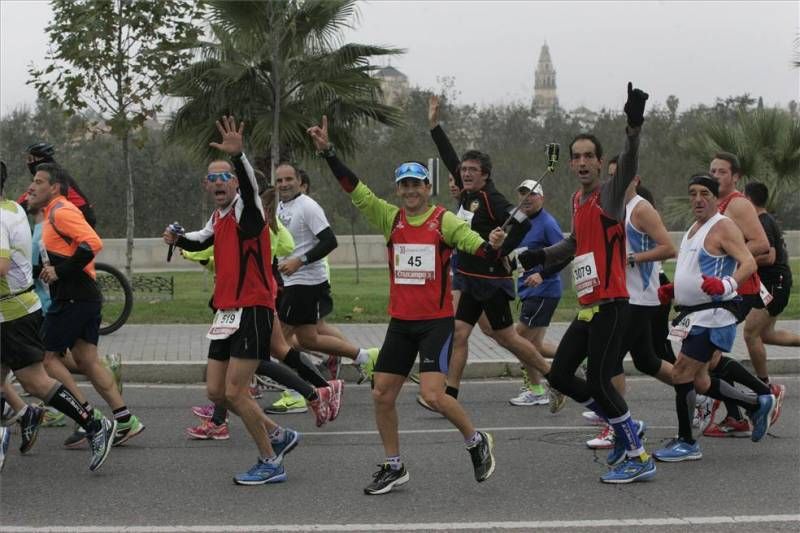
(599, 339)
(638, 340)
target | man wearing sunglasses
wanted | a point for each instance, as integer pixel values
(244, 297)
(420, 239)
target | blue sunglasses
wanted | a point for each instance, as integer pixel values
(222, 176)
(411, 170)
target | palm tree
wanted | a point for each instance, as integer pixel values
(279, 66)
(767, 143)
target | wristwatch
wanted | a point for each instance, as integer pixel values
(631, 260)
(304, 259)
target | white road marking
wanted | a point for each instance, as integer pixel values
(426, 526)
(590, 429)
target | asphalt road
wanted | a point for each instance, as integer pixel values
(546, 479)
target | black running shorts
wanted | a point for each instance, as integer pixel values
(250, 341)
(537, 311)
(67, 321)
(431, 339)
(20, 344)
(305, 304)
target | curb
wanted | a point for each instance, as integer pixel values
(194, 371)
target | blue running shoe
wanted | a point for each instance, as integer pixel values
(678, 450)
(283, 446)
(761, 417)
(262, 472)
(630, 470)
(616, 455)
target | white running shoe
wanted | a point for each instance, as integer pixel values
(703, 412)
(592, 418)
(527, 397)
(603, 440)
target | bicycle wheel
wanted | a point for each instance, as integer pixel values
(117, 297)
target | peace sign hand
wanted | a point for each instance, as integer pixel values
(320, 135)
(232, 142)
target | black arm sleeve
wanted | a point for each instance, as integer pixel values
(447, 153)
(251, 222)
(82, 257)
(347, 178)
(193, 246)
(327, 243)
(556, 267)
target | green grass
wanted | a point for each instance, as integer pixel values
(364, 302)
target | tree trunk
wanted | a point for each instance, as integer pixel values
(129, 220)
(275, 146)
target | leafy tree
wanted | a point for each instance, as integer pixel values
(279, 66)
(114, 58)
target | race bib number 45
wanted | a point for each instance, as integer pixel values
(225, 324)
(414, 263)
(584, 274)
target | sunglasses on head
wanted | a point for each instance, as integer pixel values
(222, 176)
(411, 170)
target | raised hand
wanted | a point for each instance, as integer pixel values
(433, 111)
(634, 107)
(319, 134)
(232, 142)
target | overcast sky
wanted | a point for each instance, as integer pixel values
(695, 50)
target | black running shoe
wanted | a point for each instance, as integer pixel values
(29, 424)
(483, 457)
(100, 443)
(385, 479)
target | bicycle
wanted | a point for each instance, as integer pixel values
(117, 297)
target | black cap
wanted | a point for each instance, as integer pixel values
(706, 181)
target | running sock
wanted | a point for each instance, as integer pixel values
(626, 429)
(287, 377)
(451, 391)
(765, 380)
(277, 434)
(62, 399)
(394, 462)
(271, 460)
(362, 356)
(304, 368)
(219, 415)
(685, 397)
(722, 390)
(731, 369)
(88, 406)
(473, 440)
(122, 414)
(538, 389)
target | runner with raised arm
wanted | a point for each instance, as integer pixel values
(244, 297)
(597, 243)
(420, 238)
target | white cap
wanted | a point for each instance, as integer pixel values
(531, 185)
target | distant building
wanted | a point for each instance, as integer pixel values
(394, 85)
(545, 100)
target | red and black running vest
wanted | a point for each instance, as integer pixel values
(753, 283)
(596, 232)
(243, 266)
(431, 299)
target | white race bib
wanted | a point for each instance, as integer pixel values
(465, 214)
(225, 324)
(414, 263)
(681, 330)
(584, 274)
(766, 297)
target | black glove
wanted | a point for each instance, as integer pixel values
(531, 258)
(634, 107)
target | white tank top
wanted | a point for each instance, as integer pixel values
(693, 262)
(642, 279)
